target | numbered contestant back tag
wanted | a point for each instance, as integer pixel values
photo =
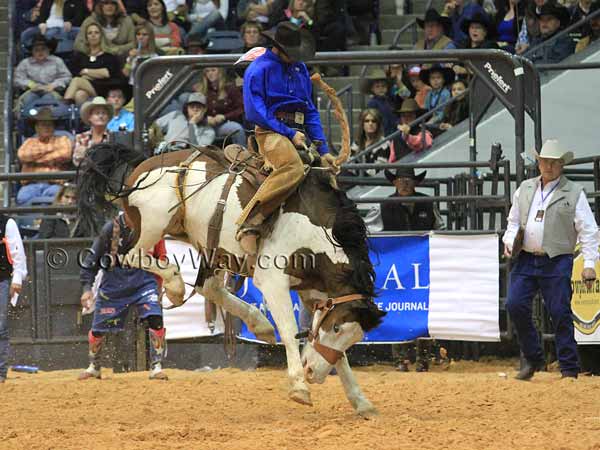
(539, 216)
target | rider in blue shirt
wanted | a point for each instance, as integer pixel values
(278, 101)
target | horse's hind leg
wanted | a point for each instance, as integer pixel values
(257, 323)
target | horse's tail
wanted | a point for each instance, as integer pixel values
(101, 180)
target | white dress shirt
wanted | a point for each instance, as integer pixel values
(17, 252)
(585, 224)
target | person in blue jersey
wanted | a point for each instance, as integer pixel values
(121, 288)
(278, 101)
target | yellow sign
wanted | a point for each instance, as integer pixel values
(585, 302)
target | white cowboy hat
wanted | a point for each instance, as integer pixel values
(553, 150)
(86, 109)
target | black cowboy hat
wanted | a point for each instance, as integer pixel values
(40, 39)
(35, 115)
(480, 18)
(431, 15)
(447, 72)
(297, 43)
(405, 173)
(558, 11)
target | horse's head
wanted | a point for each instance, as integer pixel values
(344, 274)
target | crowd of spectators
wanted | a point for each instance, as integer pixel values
(81, 56)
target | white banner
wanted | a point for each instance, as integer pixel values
(585, 304)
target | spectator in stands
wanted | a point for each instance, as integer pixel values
(438, 77)
(530, 28)
(457, 111)
(189, 125)
(421, 89)
(549, 215)
(225, 107)
(398, 89)
(135, 7)
(45, 152)
(96, 114)
(377, 85)
(118, 28)
(509, 19)
(26, 12)
(122, 119)
(552, 18)
(435, 28)
(95, 69)
(457, 11)
(64, 225)
(329, 28)
(13, 271)
(479, 31)
(167, 34)
(122, 288)
(58, 19)
(266, 12)
(580, 11)
(145, 48)
(42, 75)
(301, 13)
(370, 132)
(413, 139)
(594, 31)
(250, 32)
(204, 15)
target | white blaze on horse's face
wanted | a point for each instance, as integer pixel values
(338, 337)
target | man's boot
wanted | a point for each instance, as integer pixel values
(249, 234)
(95, 347)
(158, 351)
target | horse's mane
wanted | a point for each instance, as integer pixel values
(350, 233)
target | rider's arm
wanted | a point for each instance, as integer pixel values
(255, 92)
(312, 119)
(89, 267)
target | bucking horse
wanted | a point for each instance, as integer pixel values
(196, 195)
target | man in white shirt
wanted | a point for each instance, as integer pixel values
(12, 264)
(549, 215)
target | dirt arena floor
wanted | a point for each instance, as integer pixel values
(465, 406)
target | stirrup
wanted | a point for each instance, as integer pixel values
(246, 230)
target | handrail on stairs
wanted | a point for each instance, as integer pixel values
(8, 97)
(410, 25)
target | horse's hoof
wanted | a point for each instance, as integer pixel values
(302, 397)
(267, 337)
(368, 413)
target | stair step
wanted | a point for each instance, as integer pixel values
(392, 21)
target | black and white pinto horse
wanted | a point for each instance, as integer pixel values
(318, 223)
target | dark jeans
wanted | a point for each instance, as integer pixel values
(551, 276)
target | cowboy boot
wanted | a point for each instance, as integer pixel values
(158, 350)
(95, 347)
(249, 233)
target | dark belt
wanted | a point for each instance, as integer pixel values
(292, 118)
(536, 253)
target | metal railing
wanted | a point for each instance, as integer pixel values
(8, 97)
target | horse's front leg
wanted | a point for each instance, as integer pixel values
(275, 287)
(359, 402)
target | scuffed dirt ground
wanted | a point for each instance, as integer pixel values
(466, 406)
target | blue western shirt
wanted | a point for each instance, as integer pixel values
(270, 85)
(124, 118)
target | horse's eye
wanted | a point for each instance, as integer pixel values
(336, 328)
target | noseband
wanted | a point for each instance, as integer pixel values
(331, 355)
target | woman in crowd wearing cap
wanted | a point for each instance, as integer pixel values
(378, 85)
(118, 28)
(509, 19)
(42, 75)
(96, 70)
(435, 29)
(479, 32)
(44, 152)
(96, 113)
(594, 29)
(413, 139)
(225, 108)
(437, 77)
(188, 125)
(457, 111)
(551, 19)
(146, 48)
(58, 19)
(167, 34)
